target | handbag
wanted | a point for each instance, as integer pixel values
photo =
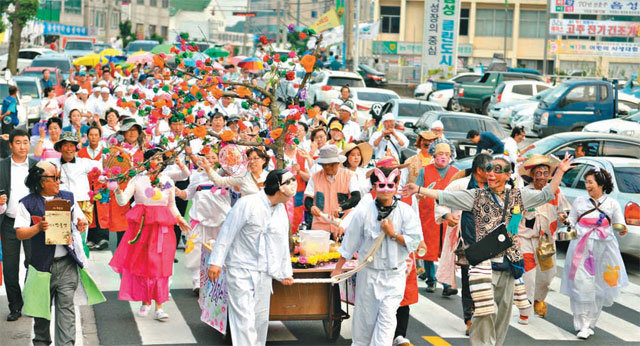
(494, 243)
(545, 252)
(459, 252)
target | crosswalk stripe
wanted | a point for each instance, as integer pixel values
(446, 325)
(611, 324)
(539, 328)
(279, 332)
(154, 332)
(436, 341)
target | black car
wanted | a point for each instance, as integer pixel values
(456, 126)
(372, 77)
(592, 143)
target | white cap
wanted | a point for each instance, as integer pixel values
(388, 116)
(118, 89)
(83, 91)
(104, 90)
(437, 125)
(103, 83)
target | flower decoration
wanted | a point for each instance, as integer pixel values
(227, 135)
(308, 62)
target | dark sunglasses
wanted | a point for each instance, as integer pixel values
(498, 169)
(288, 181)
(386, 185)
(54, 177)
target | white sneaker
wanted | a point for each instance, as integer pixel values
(401, 341)
(523, 321)
(144, 310)
(160, 315)
(584, 334)
(591, 332)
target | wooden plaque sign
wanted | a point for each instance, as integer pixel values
(57, 212)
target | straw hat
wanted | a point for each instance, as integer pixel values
(536, 160)
(366, 151)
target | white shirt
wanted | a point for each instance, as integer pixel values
(364, 228)
(48, 108)
(245, 184)
(255, 236)
(310, 190)
(137, 188)
(231, 109)
(352, 131)
(70, 104)
(23, 219)
(609, 206)
(392, 144)
(73, 176)
(511, 149)
(101, 106)
(19, 172)
(210, 206)
(93, 153)
(107, 131)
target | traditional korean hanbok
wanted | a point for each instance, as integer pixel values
(145, 255)
(594, 272)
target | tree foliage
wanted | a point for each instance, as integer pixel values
(126, 35)
(22, 12)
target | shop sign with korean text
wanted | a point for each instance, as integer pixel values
(440, 35)
(616, 49)
(611, 7)
(595, 28)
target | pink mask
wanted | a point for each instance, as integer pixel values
(386, 184)
(442, 160)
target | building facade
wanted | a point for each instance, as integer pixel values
(147, 17)
(201, 19)
(102, 18)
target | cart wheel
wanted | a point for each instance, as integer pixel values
(332, 329)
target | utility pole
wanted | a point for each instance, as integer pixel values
(348, 32)
(546, 39)
(506, 18)
(356, 53)
(298, 15)
(246, 29)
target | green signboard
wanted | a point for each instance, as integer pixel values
(385, 47)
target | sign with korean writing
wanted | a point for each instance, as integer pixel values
(612, 7)
(63, 29)
(213, 296)
(465, 50)
(616, 49)
(598, 28)
(385, 47)
(409, 48)
(57, 212)
(440, 35)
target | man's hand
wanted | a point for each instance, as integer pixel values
(562, 217)
(566, 163)
(336, 271)
(82, 225)
(369, 123)
(214, 272)
(337, 232)
(336, 212)
(43, 225)
(5, 137)
(387, 227)
(315, 211)
(452, 220)
(3, 199)
(287, 281)
(410, 189)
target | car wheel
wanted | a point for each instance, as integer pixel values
(485, 107)
(577, 129)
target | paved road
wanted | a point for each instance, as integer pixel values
(434, 320)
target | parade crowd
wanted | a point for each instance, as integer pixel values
(496, 222)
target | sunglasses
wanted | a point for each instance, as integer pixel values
(54, 177)
(498, 169)
(386, 186)
(289, 181)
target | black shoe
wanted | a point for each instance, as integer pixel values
(14, 316)
(448, 291)
(431, 287)
(102, 244)
(196, 291)
(422, 276)
(175, 260)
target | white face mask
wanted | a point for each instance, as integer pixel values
(288, 189)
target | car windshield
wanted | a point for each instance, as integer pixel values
(28, 88)
(375, 97)
(546, 145)
(416, 109)
(144, 46)
(541, 94)
(628, 179)
(300, 74)
(426, 120)
(202, 46)
(633, 117)
(38, 74)
(555, 94)
(79, 45)
(341, 81)
(61, 64)
(368, 69)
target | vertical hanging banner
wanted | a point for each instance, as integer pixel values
(440, 36)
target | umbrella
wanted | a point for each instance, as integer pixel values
(162, 48)
(111, 52)
(217, 66)
(252, 63)
(92, 59)
(140, 58)
(236, 59)
(216, 52)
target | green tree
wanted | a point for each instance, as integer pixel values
(125, 33)
(156, 37)
(23, 12)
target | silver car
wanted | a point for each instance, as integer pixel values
(32, 94)
(626, 190)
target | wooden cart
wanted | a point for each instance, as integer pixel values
(316, 301)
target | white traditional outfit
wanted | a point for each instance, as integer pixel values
(254, 245)
(594, 272)
(380, 285)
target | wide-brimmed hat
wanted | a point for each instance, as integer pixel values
(537, 160)
(427, 135)
(66, 137)
(366, 151)
(128, 123)
(330, 154)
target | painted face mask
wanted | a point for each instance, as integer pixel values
(442, 160)
(289, 185)
(386, 184)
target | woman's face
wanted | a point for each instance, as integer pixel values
(301, 132)
(155, 161)
(320, 139)
(336, 135)
(592, 186)
(344, 92)
(75, 117)
(112, 119)
(131, 136)
(354, 158)
(51, 94)
(54, 132)
(255, 163)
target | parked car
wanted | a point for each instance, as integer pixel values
(626, 191)
(627, 126)
(25, 57)
(627, 103)
(325, 87)
(445, 99)
(517, 90)
(423, 90)
(477, 95)
(100, 46)
(78, 48)
(59, 61)
(523, 117)
(593, 144)
(365, 98)
(502, 111)
(456, 126)
(372, 77)
(22, 110)
(31, 94)
(55, 75)
(140, 45)
(574, 104)
(408, 111)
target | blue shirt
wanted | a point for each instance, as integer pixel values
(48, 83)
(489, 141)
(10, 104)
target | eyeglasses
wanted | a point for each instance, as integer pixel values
(289, 181)
(541, 174)
(498, 169)
(255, 158)
(54, 177)
(252, 135)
